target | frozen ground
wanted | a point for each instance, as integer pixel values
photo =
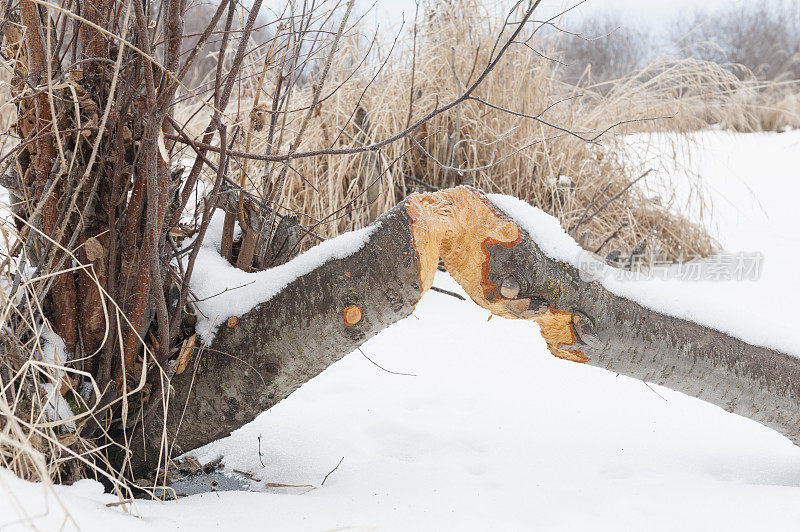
(494, 433)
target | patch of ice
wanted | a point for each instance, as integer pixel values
(54, 352)
(56, 407)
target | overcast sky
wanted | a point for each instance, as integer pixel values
(641, 12)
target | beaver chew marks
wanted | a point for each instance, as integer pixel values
(457, 225)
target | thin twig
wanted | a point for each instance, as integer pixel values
(331, 471)
(448, 292)
(384, 369)
(617, 195)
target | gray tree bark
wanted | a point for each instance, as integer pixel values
(322, 316)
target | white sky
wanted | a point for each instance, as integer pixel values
(642, 12)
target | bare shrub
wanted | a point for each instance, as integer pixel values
(605, 48)
(762, 37)
(198, 17)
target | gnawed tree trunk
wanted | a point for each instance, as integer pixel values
(264, 355)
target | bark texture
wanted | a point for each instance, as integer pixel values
(272, 350)
(263, 356)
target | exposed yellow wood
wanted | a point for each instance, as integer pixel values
(185, 354)
(352, 315)
(457, 225)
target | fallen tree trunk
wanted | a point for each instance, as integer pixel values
(260, 357)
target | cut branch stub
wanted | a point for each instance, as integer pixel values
(352, 315)
(509, 288)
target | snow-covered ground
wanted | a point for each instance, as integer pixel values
(494, 433)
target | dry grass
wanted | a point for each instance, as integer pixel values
(40, 403)
(697, 94)
(497, 151)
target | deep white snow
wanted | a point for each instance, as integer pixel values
(494, 433)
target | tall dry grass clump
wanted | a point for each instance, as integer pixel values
(697, 94)
(538, 138)
(40, 401)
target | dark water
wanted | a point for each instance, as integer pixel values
(190, 478)
(202, 482)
